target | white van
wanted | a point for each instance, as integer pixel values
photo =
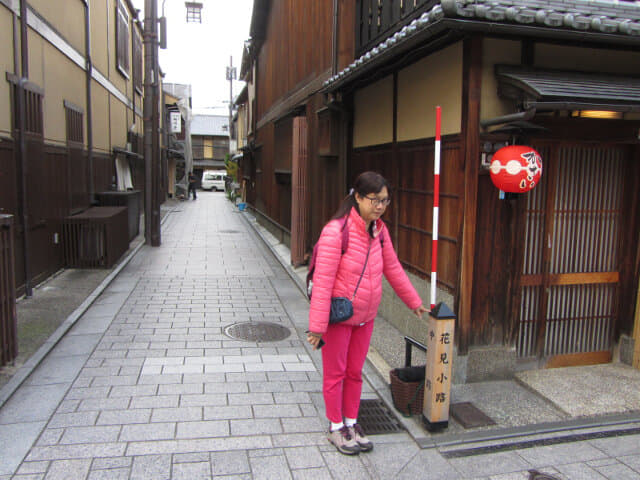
(213, 179)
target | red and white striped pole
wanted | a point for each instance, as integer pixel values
(436, 206)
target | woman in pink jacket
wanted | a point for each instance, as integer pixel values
(359, 269)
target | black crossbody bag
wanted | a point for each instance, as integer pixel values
(342, 307)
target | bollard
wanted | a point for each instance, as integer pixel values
(437, 380)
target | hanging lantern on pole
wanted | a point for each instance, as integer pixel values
(516, 168)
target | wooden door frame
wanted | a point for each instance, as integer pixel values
(548, 280)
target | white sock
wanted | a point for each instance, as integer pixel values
(336, 426)
(350, 422)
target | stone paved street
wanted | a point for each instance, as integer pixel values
(147, 384)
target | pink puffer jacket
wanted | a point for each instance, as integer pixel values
(337, 275)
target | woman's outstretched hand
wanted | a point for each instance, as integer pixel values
(419, 311)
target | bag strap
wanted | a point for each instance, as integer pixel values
(361, 273)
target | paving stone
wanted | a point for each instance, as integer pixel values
(276, 411)
(490, 464)
(304, 457)
(581, 471)
(204, 429)
(115, 380)
(619, 471)
(73, 419)
(153, 380)
(90, 404)
(111, 474)
(50, 436)
(192, 471)
(198, 445)
(210, 399)
(555, 455)
(147, 432)
(191, 457)
(132, 391)
(123, 417)
(93, 434)
(247, 377)
(307, 424)
(268, 468)
(256, 426)
(250, 399)
(272, 386)
(181, 414)
(68, 469)
(618, 446)
(311, 474)
(33, 467)
(227, 412)
(157, 401)
(108, 463)
(632, 461)
(87, 450)
(151, 467)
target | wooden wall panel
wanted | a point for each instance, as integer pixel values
(410, 214)
(297, 48)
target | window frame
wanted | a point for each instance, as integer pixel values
(123, 60)
(137, 62)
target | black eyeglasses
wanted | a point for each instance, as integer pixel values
(375, 201)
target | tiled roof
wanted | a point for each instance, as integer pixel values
(616, 19)
(555, 85)
(210, 125)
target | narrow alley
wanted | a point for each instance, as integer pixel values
(162, 378)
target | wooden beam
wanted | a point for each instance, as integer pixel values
(579, 359)
(636, 333)
(571, 278)
(471, 92)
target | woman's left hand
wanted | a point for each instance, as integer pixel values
(419, 311)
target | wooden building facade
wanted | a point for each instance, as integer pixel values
(545, 278)
(80, 64)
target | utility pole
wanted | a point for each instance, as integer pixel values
(151, 125)
(231, 75)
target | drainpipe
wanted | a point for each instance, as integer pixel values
(89, 67)
(334, 66)
(511, 117)
(22, 145)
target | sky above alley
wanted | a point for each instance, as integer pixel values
(198, 54)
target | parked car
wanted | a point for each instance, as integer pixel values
(213, 180)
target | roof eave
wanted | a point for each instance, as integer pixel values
(463, 26)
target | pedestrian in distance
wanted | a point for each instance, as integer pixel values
(355, 273)
(192, 186)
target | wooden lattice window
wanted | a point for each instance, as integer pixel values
(73, 116)
(137, 61)
(122, 39)
(33, 95)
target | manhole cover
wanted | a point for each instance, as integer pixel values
(375, 418)
(469, 416)
(257, 331)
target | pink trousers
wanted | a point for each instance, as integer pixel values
(343, 357)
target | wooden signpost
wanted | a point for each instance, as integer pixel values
(438, 372)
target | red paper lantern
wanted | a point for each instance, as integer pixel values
(516, 168)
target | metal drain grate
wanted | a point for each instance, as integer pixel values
(470, 416)
(257, 331)
(375, 418)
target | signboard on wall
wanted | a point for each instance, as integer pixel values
(176, 122)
